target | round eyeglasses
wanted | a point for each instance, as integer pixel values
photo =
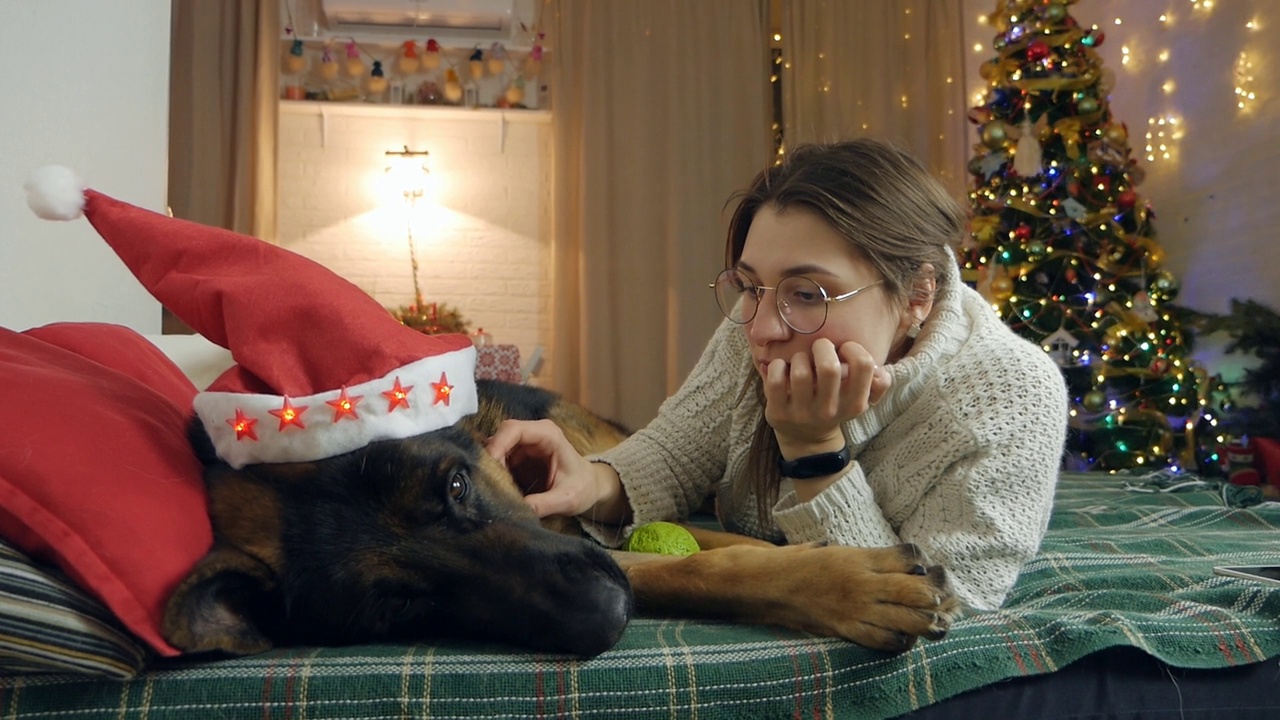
(802, 303)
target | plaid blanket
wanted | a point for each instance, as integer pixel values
(1117, 568)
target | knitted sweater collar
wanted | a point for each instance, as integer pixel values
(942, 335)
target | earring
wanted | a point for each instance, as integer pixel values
(914, 330)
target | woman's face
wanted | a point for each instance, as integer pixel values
(800, 242)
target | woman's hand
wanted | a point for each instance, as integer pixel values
(557, 480)
(810, 397)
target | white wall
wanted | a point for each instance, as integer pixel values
(86, 84)
(482, 231)
(1215, 200)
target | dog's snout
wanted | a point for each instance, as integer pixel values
(598, 612)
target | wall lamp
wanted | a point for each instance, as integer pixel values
(407, 170)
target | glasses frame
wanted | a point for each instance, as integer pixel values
(778, 302)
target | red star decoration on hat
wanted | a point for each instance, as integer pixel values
(442, 388)
(398, 396)
(344, 406)
(243, 425)
(290, 415)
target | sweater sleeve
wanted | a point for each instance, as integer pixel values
(669, 466)
(985, 513)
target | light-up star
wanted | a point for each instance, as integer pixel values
(344, 406)
(443, 389)
(290, 415)
(243, 425)
(398, 396)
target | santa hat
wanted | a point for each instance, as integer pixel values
(322, 368)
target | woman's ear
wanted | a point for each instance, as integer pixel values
(920, 300)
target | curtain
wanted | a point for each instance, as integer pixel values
(660, 112)
(891, 69)
(222, 113)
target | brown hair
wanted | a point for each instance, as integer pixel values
(884, 202)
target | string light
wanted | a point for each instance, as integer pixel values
(1243, 72)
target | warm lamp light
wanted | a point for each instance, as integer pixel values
(408, 172)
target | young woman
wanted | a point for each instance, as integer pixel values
(857, 392)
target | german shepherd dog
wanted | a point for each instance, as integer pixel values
(429, 537)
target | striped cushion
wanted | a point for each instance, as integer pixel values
(49, 625)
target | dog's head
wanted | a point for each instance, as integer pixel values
(401, 540)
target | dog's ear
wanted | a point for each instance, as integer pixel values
(222, 605)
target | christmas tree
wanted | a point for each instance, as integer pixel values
(1065, 248)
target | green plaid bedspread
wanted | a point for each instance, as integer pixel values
(1117, 568)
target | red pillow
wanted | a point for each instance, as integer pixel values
(96, 474)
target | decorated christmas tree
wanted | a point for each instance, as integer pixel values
(1065, 248)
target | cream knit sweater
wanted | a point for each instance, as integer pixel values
(960, 457)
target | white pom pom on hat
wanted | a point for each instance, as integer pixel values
(55, 192)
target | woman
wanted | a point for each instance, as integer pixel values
(857, 393)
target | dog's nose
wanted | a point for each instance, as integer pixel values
(598, 616)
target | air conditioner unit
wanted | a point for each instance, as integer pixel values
(458, 20)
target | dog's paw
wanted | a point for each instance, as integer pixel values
(883, 598)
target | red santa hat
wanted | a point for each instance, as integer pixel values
(322, 368)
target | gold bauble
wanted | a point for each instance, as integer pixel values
(453, 92)
(1001, 288)
(329, 70)
(1115, 134)
(431, 61)
(294, 64)
(376, 85)
(496, 65)
(477, 69)
(355, 67)
(532, 67)
(1094, 400)
(994, 135)
(515, 94)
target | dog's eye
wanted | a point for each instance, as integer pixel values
(459, 486)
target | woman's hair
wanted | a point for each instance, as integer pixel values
(893, 213)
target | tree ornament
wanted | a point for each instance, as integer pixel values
(1094, 400)
(295, 62)
(377, 82)
(431, 58)
(497, 59)
(1165, 286)
(1159, 366)
(1055, 12)
(1087, 105)
(1036, 249)
(408, 62)
(1037, 51)
(1093, 38)
(355, 66)
(1143, 308)
(994, 135)
(1001, 288)
(452, 87)
(1115, 134)
(1126, 200)
(1022, 232)
(1026, 158)
(477, 63)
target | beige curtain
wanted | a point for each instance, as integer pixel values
(222, 113)
(660, 112)
(892, 69)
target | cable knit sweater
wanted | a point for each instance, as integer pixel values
(960, 456)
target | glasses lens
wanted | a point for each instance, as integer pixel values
(802, 304)
(731, 287)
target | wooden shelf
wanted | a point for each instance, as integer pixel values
(424, 112)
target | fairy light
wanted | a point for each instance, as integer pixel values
(1124, 54)
(1162, 136)
(1243, 72)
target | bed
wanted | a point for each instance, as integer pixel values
(1119, 615)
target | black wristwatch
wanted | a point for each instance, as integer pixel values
(813, 466)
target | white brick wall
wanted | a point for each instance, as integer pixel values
(482, 232)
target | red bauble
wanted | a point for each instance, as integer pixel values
(1022, 232)
(1126, 200)
(1037, 50)
(1160, 366)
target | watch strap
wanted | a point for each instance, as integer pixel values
(813, 466)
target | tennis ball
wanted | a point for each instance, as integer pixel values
(663, 538)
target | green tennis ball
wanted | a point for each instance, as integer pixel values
(663, 538)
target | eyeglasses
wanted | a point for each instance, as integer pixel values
(802, 303)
